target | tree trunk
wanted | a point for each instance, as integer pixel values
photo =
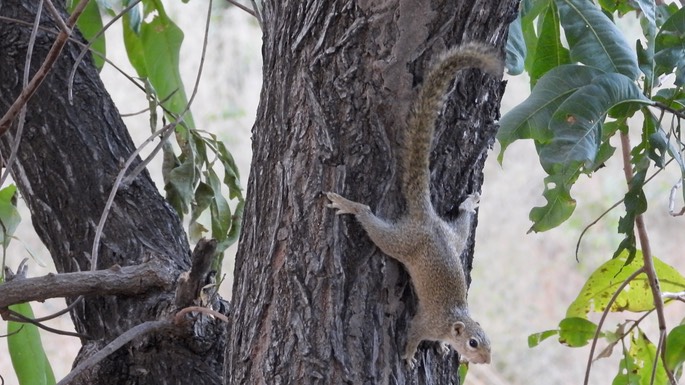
(314, 301)
(69, 157)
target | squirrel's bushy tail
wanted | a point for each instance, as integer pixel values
(416, 178)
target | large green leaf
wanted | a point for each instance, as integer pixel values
(595, 40)
(636, 297)
(549, 52)
(161, 42)
(30, 363)
(576, 124)
(530, 119)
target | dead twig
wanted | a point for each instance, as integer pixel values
(127, 280)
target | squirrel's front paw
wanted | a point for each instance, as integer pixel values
(470, 204)
(444, 349)
(343, 205)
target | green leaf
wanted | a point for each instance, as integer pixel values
(595, 40)
(132, 42)
(29, 360)
(560, 205)
(9, 216)
(635, 297)
(180, 185)
(530, 119)
(535, 339)
(670, 47)
(576, 124)
(576, 332)
(463, 371)
(161, 41)
(675, 348)
(549, 52)
(516, 48)
(530, 9)
(644, 352)
(90, 23)
(221, 212)
(627, 368)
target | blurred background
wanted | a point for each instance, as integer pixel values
(522, 283)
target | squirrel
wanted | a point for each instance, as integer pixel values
(428, 246)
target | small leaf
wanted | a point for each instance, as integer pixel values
(9, 216)
(675, 348)
(576, 332)
(535, 339)
(221, 212)
(595, 40)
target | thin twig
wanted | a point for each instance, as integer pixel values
(244, 8)
(179, 316)
(25, 81)
(678, 113)
(18, 317)
(613, 298)
(126, 337)
(41, 74)
(58, 18)
(607, 211)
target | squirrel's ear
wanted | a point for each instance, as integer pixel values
(458, 327)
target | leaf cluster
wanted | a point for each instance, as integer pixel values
(587, 83)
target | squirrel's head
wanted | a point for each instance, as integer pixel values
(470, 341)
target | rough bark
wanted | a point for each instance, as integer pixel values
(68, 159)
(314, 301)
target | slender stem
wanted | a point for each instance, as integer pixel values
(647, 258)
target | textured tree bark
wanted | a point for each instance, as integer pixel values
(69, 157)
(314, 301)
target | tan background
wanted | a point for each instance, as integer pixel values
(522, 282)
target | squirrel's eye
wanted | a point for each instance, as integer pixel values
(473, 343)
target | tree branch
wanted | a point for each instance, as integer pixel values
(123, 339)
(128, 280)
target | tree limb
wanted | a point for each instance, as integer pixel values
(127, 280)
